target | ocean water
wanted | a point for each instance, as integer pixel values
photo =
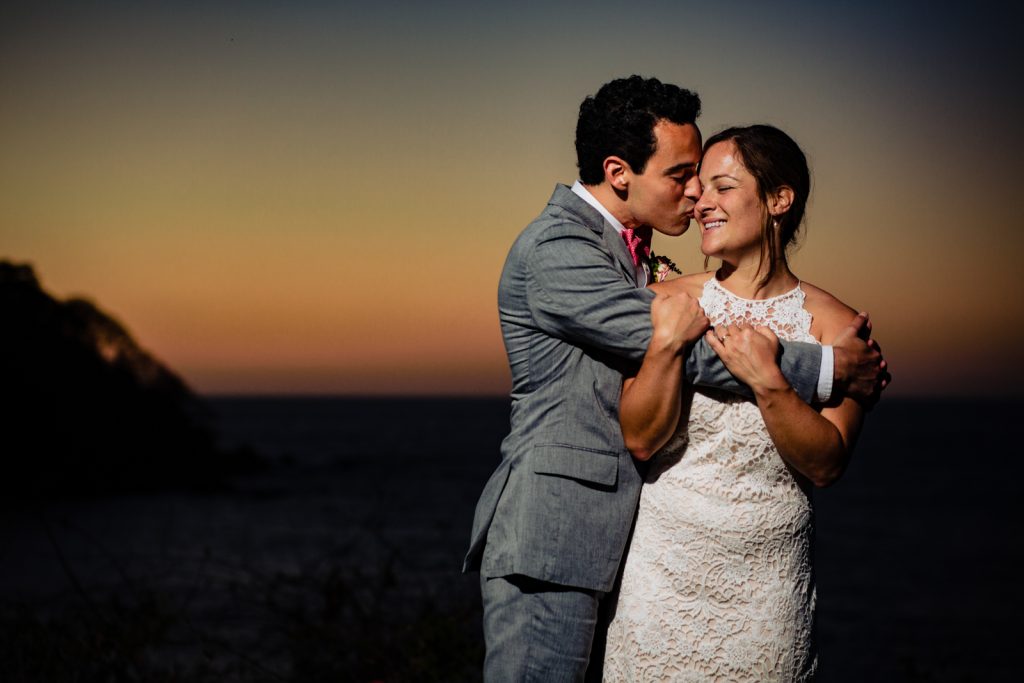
(917, 554)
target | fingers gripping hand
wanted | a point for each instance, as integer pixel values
(678, 320)
(750, 353)
(883, 376)
(860, 370)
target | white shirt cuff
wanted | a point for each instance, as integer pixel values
(828, 361)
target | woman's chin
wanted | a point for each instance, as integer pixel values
(710, 250)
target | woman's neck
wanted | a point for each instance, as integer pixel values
(744, 280)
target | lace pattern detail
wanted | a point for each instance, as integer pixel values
(718, 583)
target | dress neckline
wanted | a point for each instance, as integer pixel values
(714, 280)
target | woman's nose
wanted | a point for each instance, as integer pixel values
(703, 203)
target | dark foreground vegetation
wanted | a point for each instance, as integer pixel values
(325, 624)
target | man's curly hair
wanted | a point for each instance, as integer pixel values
(619, 121)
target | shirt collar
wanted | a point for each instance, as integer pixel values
(583, 193)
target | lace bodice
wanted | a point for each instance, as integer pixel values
(784, 313)
(718, 584)
(734, 456)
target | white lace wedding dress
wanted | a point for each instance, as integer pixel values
(718, 583)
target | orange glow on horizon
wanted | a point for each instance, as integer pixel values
(321, 201)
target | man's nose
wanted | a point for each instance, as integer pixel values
(693, 189)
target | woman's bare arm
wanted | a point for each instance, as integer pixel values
(650, 403)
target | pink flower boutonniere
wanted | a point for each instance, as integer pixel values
(661, 266)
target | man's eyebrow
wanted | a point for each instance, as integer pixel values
(680, 167)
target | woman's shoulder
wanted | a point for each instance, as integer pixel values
(695, 282)
(828, 314)
(692, 285)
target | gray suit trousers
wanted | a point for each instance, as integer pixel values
(537, 632)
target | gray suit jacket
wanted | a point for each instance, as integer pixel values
(560, 505)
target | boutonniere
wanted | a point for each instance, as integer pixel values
(661, 266)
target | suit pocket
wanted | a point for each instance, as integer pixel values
(599, 467)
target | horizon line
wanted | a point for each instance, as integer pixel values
(494, 396)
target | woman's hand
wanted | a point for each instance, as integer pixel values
(678, 322)
(751, 354)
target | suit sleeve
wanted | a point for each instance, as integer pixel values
(576, 292)
(800, 363)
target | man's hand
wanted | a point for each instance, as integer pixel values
(678, 321)
(860, 371)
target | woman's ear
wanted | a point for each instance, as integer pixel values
(780, 201)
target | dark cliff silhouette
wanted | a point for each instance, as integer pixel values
(84, 410)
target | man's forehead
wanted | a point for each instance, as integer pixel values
(676, 138)
(678, 150)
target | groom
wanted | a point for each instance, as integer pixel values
(553, 520)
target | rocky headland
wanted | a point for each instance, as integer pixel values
(85, 410)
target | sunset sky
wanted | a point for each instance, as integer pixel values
(314, 197)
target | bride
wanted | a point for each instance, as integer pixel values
(718, 584)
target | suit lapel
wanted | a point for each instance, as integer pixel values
(565, 198)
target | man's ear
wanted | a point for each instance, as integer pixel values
(617, 173)
(780, 201)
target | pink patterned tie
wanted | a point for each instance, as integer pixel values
(638, 240)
